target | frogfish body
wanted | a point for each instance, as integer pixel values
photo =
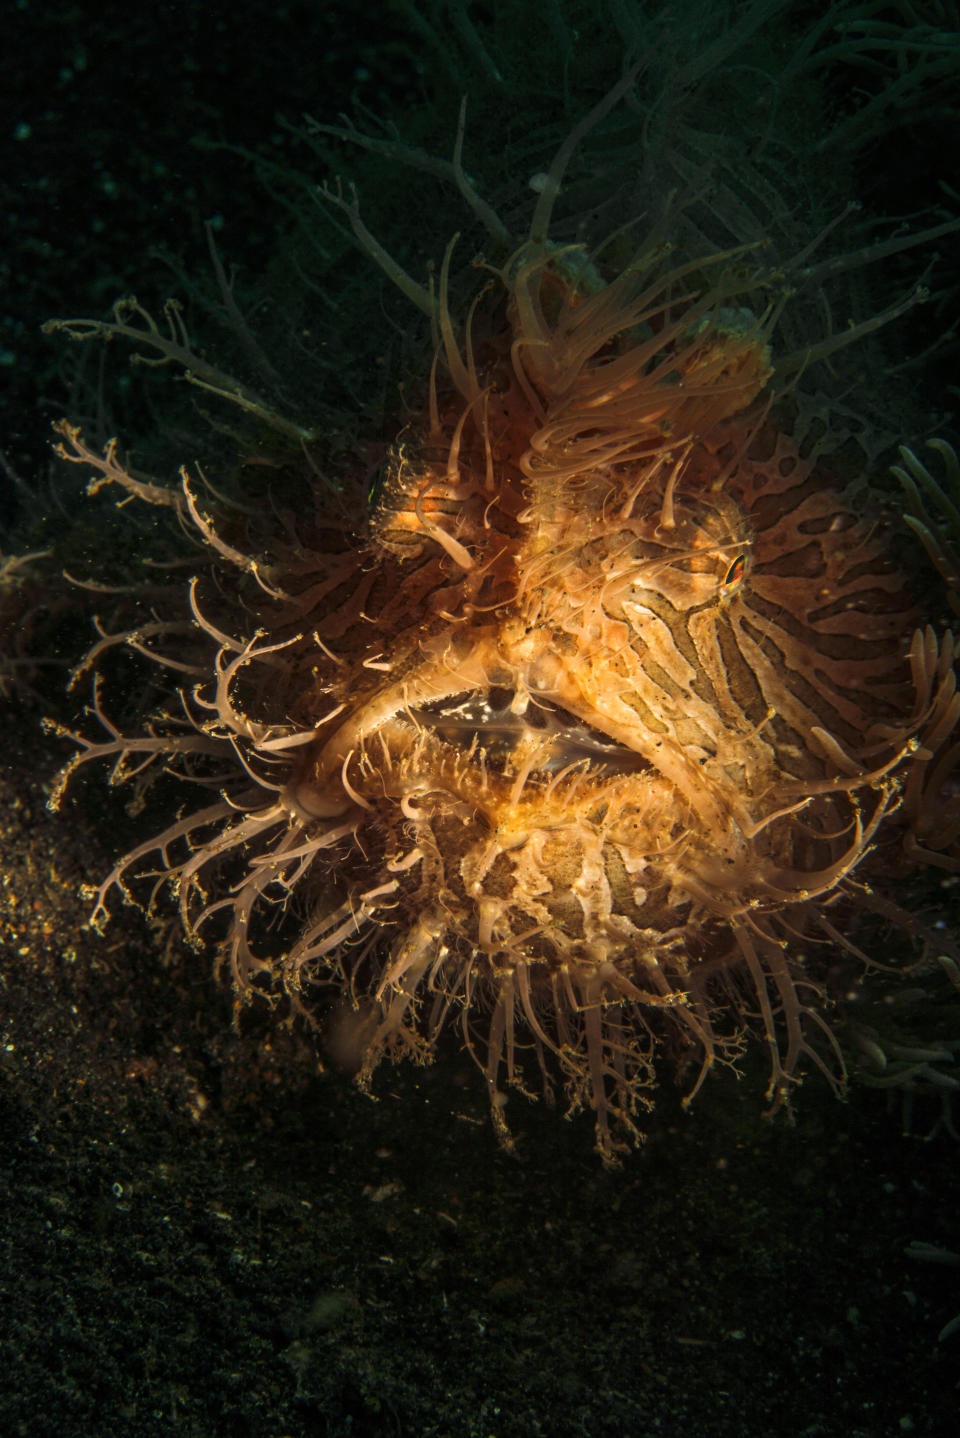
(592, 744)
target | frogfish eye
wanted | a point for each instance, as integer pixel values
(735, 574)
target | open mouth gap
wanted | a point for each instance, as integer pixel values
(486, 717)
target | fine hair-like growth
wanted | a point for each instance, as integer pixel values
(591, 741)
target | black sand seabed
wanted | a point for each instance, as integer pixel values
(202, 1236)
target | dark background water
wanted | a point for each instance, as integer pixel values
(200, 1234)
